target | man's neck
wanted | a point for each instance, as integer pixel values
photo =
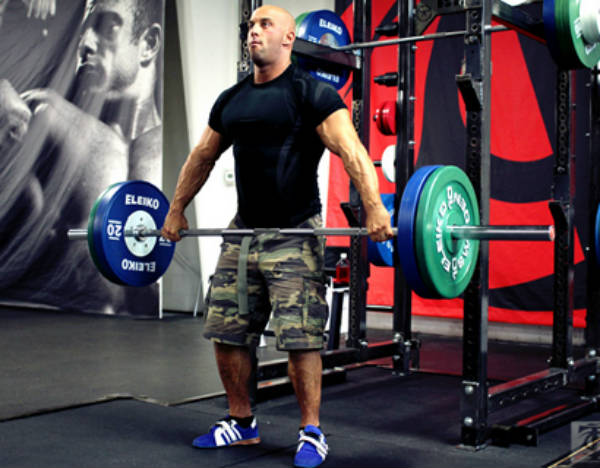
(131, 117)
(265, 73)
(134, 112)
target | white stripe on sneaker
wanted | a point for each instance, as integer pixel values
(226, 434)
(319, 445)
(234, 431)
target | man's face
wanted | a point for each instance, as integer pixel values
(267, 29)
(108, 52)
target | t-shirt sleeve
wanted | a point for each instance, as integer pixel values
(323, 100)
(214, 119)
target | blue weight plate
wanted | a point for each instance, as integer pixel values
(131, 264)
(405, 240)
(382, 253)
(597, 236)
(327, 28)
(95, 235)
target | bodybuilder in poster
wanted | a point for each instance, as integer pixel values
(62, 148)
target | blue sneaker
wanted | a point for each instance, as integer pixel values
(227, 432)
(312, 448)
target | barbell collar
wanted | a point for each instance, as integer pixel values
(506, 233)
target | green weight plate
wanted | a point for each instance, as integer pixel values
(446, 265)
(568, 55)
(565, 22)
(300, 18)
(565, 56)
(588, 53)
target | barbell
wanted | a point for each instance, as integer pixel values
(437, 232)
(571, 32)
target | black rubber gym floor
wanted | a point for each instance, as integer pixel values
(136, 373)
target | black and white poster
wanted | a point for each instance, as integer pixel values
(80, 109)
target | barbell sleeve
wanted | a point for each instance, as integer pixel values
(506, 233)
(77, 234)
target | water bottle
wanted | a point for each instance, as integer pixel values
(342, 271)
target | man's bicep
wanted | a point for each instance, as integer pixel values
(212, 144)
(337, 132)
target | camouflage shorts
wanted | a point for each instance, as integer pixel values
(285, 287)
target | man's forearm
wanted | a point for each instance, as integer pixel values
(192, 177)
(197, 168)
(362, 172)
(339, 136)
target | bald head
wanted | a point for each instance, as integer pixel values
(281, 16)
(271, 34)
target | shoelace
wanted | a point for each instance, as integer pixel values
(318, 441)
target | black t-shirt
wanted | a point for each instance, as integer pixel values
(272, 127)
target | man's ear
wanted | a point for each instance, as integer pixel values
(288, 39)
(150, 43)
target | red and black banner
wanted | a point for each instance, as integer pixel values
(522, 149)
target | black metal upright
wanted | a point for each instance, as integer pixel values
(592, 329)
(475, 88)
(404, 169)
(359, 264)
(244, 64)
(563, 212)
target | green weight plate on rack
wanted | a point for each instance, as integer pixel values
(446, 264)
(566, 47)
(572, 30)
(300, 18)
(587, 49)
(568, 54)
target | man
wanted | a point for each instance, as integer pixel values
(118, 55)
(115, 81)
(278, 120)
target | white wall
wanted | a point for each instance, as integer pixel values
(209, 48)
(209, 51)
